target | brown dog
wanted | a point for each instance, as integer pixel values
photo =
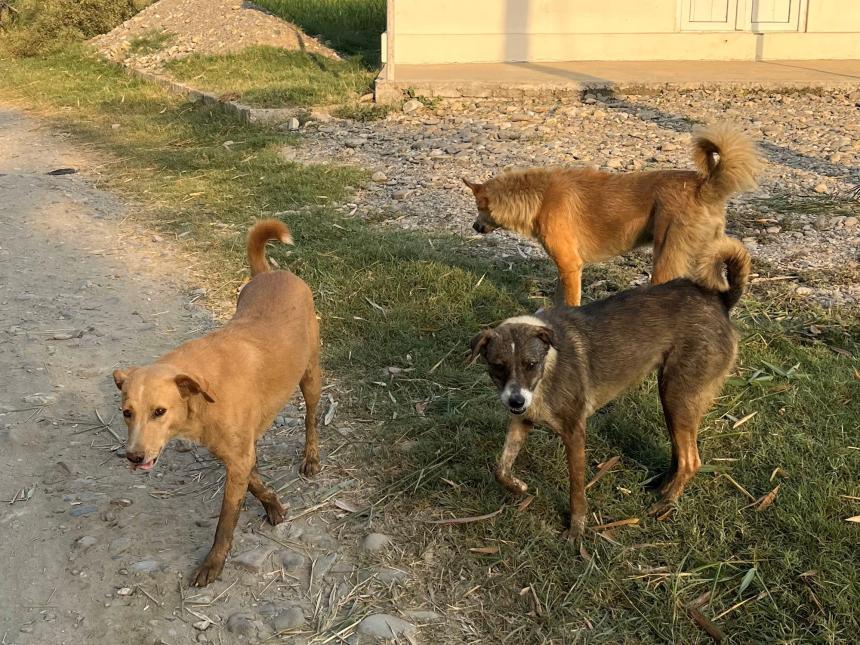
(581, 215)
(224, 390)
(555, 369)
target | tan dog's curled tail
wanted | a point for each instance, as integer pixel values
(726, 159)
(732, 255)
(260, 233)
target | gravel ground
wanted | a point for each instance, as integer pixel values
(202, 27)
(801, 222)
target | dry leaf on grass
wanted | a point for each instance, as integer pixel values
(523, 505)
(464, 520)
(712, 630)
(630, 521)
(485, 550)
(856, 518)
(743, 420)
(604, 468)
(767, 500)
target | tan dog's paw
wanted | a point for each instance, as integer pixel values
(310, 466)
(275, 513)
(514, 485)
(208, 572)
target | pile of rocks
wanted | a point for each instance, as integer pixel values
(201, 26)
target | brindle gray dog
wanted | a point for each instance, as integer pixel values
(556, 368)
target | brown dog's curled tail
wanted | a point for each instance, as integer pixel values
(726, 159)
(732, 255)
(260, 233)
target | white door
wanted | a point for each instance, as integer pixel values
(772, 15)
(708, 15)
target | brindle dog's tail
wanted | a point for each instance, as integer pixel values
(732, 255)
(260, 233)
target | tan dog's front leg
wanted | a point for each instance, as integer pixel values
(234, 491)
(518, 430)
(569, 265)
(573, 438)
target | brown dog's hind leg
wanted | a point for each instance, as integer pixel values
(518, 430)
(311, 384)
(573, 437)
(234, 491)
(268, 498)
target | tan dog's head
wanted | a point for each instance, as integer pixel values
(484, 223)
(155, 405)
(517, 353)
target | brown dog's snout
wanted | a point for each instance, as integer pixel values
(478, 227)
(134, 457)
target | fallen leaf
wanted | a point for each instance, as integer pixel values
(485, 550)
(346, 506)
(857, 374)
(743, 420)
(523, 505)
(465, 520)
(842, 352)
(856, 518)
(375, 306)
(767, 500)
(584, 552)
(421, 407)
(630, 521)
(712, 630)
(604, 468)
(748, 578)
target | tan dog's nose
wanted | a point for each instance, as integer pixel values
(134, 457)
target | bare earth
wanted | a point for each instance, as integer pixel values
(90, 552)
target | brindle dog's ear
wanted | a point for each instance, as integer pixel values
(189, 386)
(479, 344)
(547, 335)
(476, 187)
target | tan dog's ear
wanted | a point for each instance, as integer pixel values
(479, 344)
(120, 376)
(189, 386)
(476, 187)
(547, 335)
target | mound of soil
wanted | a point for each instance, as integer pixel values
(171, 29)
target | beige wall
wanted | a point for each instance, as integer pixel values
(461, 31)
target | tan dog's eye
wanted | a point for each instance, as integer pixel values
(159, 412)
(126, 414)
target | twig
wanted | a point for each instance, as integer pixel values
(465, 520)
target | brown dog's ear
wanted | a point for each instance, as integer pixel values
(189, 386)
(479, 344)
(476, 187)
(547, 335)
(120, 376)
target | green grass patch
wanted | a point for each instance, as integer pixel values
(389, 298)
(351, 27)
(273, 77)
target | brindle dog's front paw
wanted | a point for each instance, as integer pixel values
(208, 572)
(310, 466)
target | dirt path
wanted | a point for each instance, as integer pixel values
(90, 552)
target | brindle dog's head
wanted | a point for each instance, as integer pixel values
(516, 353)
(484, 223)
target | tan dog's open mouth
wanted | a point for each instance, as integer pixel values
(146, 466)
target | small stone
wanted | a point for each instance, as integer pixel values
(124, 502)
(355, 142)
(667, 147)
(773, 230)
(124, 591)
(252, 560)
(26, 629)
(803, 291)
(375, 542)
(437, 152)
(293, 124)
(40, 398)
(119, 545)
(821, 188)
(412, 105)
(115, 126)
(290, 618)
(145, 566)
(823, 223)
(86, 542)
(400, 194)
(201, 625)
(386, 627)
(850, 222)
(80, 511)
(379, 177)
(615, 164)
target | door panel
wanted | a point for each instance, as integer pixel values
(772, 15)
(708, 15)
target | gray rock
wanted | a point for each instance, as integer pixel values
(823, 223)
(86, 542)
(379, 177)
(252, 560)
(375, 542)
(386, 627)
(355, 142)
(242, 623)
(40, 398)
(293, 124)
(80, 511)
(400, 194)
(291, 560)
(289, 618)
(773, 230)
(411, 105)
(145, 566)
(322, 565)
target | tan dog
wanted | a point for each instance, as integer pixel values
(581, 216)
(557, 368)
(224, 390)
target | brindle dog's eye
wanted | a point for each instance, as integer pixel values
(159, 412)
(531, 365)
(126, 414)
(497, 367)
